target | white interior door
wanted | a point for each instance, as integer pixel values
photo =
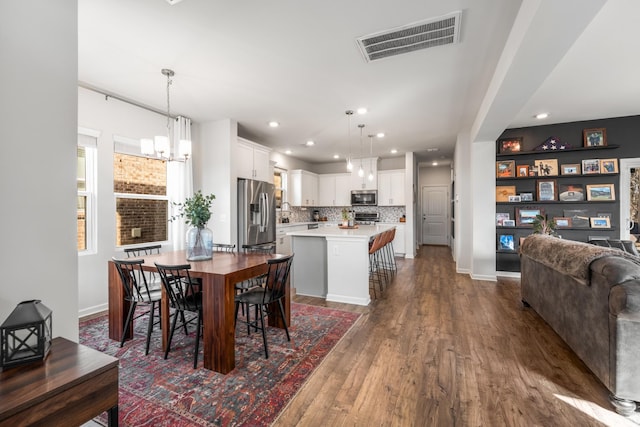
(435, 215)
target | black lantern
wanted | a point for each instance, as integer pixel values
(26, 334)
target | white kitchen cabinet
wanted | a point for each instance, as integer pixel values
(334, 189)
(391, 188)
(399, 239)
(363, 183)
(252, 161)
(303, 188)
(283, 242)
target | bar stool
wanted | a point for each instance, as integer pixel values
(376, 273)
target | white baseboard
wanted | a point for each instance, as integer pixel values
(484, 277)
(509, 274)
(93, 310)
(348, 300)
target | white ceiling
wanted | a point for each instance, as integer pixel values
(297, 62)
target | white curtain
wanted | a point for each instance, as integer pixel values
(179, 182)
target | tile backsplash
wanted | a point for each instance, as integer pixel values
(387, 213)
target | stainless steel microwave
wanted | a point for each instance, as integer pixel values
(364, 198)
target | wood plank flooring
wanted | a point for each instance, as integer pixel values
(440, 349)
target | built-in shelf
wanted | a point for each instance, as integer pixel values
(566, 150)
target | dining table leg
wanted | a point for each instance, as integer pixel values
(218, 320)
(118, 306)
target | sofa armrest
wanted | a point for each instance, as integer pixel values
(624, 299)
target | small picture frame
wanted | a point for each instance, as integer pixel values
(509, 145)
(601, 192)
(546, 190)
(579, 217)
(505, 169)
(608, 165)
(526, 197)
(571, 192)
(547, 167)
(596, 137)
(509, 223)
(562, 221)
(523, 171)
(533, 171)
(501, 217)
(590, 166)
(570, 169)
(526, 216)
(504, 191)
(514, 199)
(506, 243)
(600, 222)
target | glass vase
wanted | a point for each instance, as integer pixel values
(199, 244)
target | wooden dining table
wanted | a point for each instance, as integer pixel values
(218, 275)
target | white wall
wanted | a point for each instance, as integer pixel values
(463, 204)
(410, 199)
(38, 116)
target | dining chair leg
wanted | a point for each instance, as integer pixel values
(173, 328)
(198, 331)
(150, 326)
(264, 334)
(284, 319)
(132, 309)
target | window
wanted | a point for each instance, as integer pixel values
(86, 155)
(140, 187)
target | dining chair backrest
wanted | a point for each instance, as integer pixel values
(265, 248)
(133, 279)
(277, 277)
(142, 251)
(183, 292)
(224, 247)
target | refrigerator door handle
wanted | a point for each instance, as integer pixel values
(263, 211)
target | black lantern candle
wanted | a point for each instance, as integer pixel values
(26, 334)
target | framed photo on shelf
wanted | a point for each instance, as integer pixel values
(579, 217)
(526, 197)
(509, 145)
(504, 191)
(562, 222)
(505, 169)
(571, 192)
(509, 223)
(523, 171)
(506, 243)
(501, 217)
(548, 167)
(595, 137)
(515, 199)
(570, 169)
(600, 222)
(601, 192)
(590, 166)
(546, 190)
(526, 216)
(608, 165)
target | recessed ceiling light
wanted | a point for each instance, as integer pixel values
(542, 116)
(274, 124)
(287, 152)
(362, 110)
(432, 149)
(394, 151)
(310, 143)
(434, 164)
(336, 156)
(380, 135)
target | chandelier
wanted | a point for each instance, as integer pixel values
(160, 145)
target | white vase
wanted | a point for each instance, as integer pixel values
(199, 244)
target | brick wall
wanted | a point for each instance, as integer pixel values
(140, 175)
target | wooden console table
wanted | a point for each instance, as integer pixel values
(70, 387)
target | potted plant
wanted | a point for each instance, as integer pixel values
(542, 225)
(345, 217)
(197, 211)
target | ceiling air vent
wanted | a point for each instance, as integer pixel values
(419, 35)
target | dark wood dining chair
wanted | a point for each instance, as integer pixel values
(263, 298)
(185, 297)
(140, 252)
(137, 291)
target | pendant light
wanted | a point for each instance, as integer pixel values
(349, 113)
(361, 171)
(370, 177)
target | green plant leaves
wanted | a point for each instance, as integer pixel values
(196, 209)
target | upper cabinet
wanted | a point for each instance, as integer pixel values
(391, 188)
(252, 161)
(303, 188)
(363, 182)
(334, 189)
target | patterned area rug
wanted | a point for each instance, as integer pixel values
(158, 392)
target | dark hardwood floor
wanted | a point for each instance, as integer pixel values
(440, 349)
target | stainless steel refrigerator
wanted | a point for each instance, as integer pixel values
(256, 212)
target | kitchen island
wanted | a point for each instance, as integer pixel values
(333, 263)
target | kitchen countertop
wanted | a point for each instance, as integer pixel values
(363, 231)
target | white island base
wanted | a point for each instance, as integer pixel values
(333, 263)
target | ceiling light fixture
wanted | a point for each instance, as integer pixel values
(434, 164)
(349, 113)
(274, 124)
(394, 151)
(362, 110)
(287, 152)
(310, 143)
(361, 171)
(541, 116)
(370, 177)
(161, 145)
(336, 156)
(380, 135)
